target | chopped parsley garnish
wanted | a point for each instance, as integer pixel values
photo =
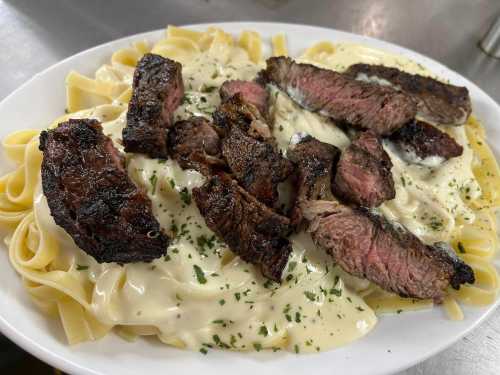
(222, 302)
(291, 266)
(296, 348)
(237, 295)
(336, 292)
(153, 180)
(200, 275)
(185, 196)
(79, 267)
(203, 351)
(263, 331)
(297, 317)
(257, 346)
(172, 183)
(359, 308)
(310, 296)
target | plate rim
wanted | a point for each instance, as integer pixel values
(60, 361)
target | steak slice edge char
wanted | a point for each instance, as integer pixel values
(250, 150)
(195, 144)
(157, 91)
(436, 101)
(257, 166)
(250, 229)
(422, 143)
(315, 162)
(92, 198)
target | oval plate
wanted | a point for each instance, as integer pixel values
(397, 342)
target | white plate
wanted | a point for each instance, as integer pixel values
(397, 342)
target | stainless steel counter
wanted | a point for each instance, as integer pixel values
(36, 34)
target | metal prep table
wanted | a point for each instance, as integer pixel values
(36, 34)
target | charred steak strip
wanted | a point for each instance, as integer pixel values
(367, 245)
(195, 144)
(92, 198)
(252, 92)
(436, 101)
(315, 161)
(422, 143)
(363, 174)
(249, 150)
(256, 165)
(345, 100)
(157, 91)
(248, 227)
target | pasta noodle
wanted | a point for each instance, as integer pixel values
(279, 45)
(62, 280)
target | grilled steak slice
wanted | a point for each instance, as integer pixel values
(92, 198)
(425, 144)
(252, 92)
(363, 174)
(345, 100)
(235, 111)
(367, 245)
(248, 227)
(257, 166)
(436, 101)
(195, 144)
(314, 161)
(157, 92)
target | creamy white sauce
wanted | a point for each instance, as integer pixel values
(227, 300)
(374, 79)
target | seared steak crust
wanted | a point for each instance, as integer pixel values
(248, 227)
(249, 150)
(436, 101)
(368, 246)
(157, 91)
(424, 140)
(257, 166)
(195, 144)
(252, 92)
(315, 161)
(345, 100)
(363, 174)
(235, 111)
(92, 198)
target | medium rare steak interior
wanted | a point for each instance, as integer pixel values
(368, 246)
(157, 91)
(420, 141)
(436, 101)
(251, 92)
(250, 229)
(345, 100)
(92, 198)
(363, 174)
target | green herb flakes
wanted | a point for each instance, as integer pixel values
(200, 275)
